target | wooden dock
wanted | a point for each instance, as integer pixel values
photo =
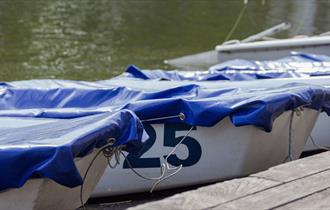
(303, 184)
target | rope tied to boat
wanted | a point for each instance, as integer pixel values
(311, 137)
(111, 153)
(108, 151)
(237, 21)
(165, 167)
(298, 112)
(181, 116)
(317, 145)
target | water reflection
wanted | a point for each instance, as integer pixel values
(89, 40)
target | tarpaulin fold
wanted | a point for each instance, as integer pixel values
(47, 147)
(201, 106)
(295, 65)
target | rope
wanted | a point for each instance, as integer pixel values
(237, 21)
(290, 136)
(106, 148)
(109, 152)
(162, 171)
(115, 152)
(164, 168)
(310, 136)
(317, 145)
(180, 115)
(290, 156)
(178, 168)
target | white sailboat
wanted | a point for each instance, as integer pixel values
(252, 48)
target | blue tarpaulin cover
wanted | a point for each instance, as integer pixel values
(46, 123)
(201, 106)
(46, 147)
(295, 65)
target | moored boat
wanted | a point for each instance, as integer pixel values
(253, 50)
(55, 163)
(297, 67)
(209, 154)
(237, 131)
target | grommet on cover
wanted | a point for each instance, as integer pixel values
(111, 141)
(182, 116)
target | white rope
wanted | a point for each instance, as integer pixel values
(164, 168)
(114, 152)
(180, 115)
(162, 171)
(178, 168)
(109, 152)
(317, 145)
(105, 149)
(237, 21)
(310, 136)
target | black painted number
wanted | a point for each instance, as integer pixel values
(136, 160)
(194, 148)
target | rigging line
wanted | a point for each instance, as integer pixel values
(176, 146)
(290, 135)
(88, 168)
(180, 115)
(238, 20)
(114, 152)
(164, 168)
(317, 145)
(178, 168)
(290, 156)
(311, 137)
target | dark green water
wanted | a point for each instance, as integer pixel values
(97, 39)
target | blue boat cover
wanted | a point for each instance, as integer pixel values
(45, 124)
(46, 147)
(295, 65)
(201, 106)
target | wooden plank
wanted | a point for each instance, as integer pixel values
(209, 196)
(318, 200)
(277, 186)
(282, 194)
(297, 169)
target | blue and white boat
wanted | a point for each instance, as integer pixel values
(55, 162)
(297, 67)
(196, 134)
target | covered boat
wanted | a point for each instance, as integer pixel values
(55, 162)
(297, 67)
(199, 134)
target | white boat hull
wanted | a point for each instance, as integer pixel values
(320, 134)
(321, 131)
(211, 154)
(259, 50)
(274, 49)
(41, 193)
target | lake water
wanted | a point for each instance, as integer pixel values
(97, 39)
